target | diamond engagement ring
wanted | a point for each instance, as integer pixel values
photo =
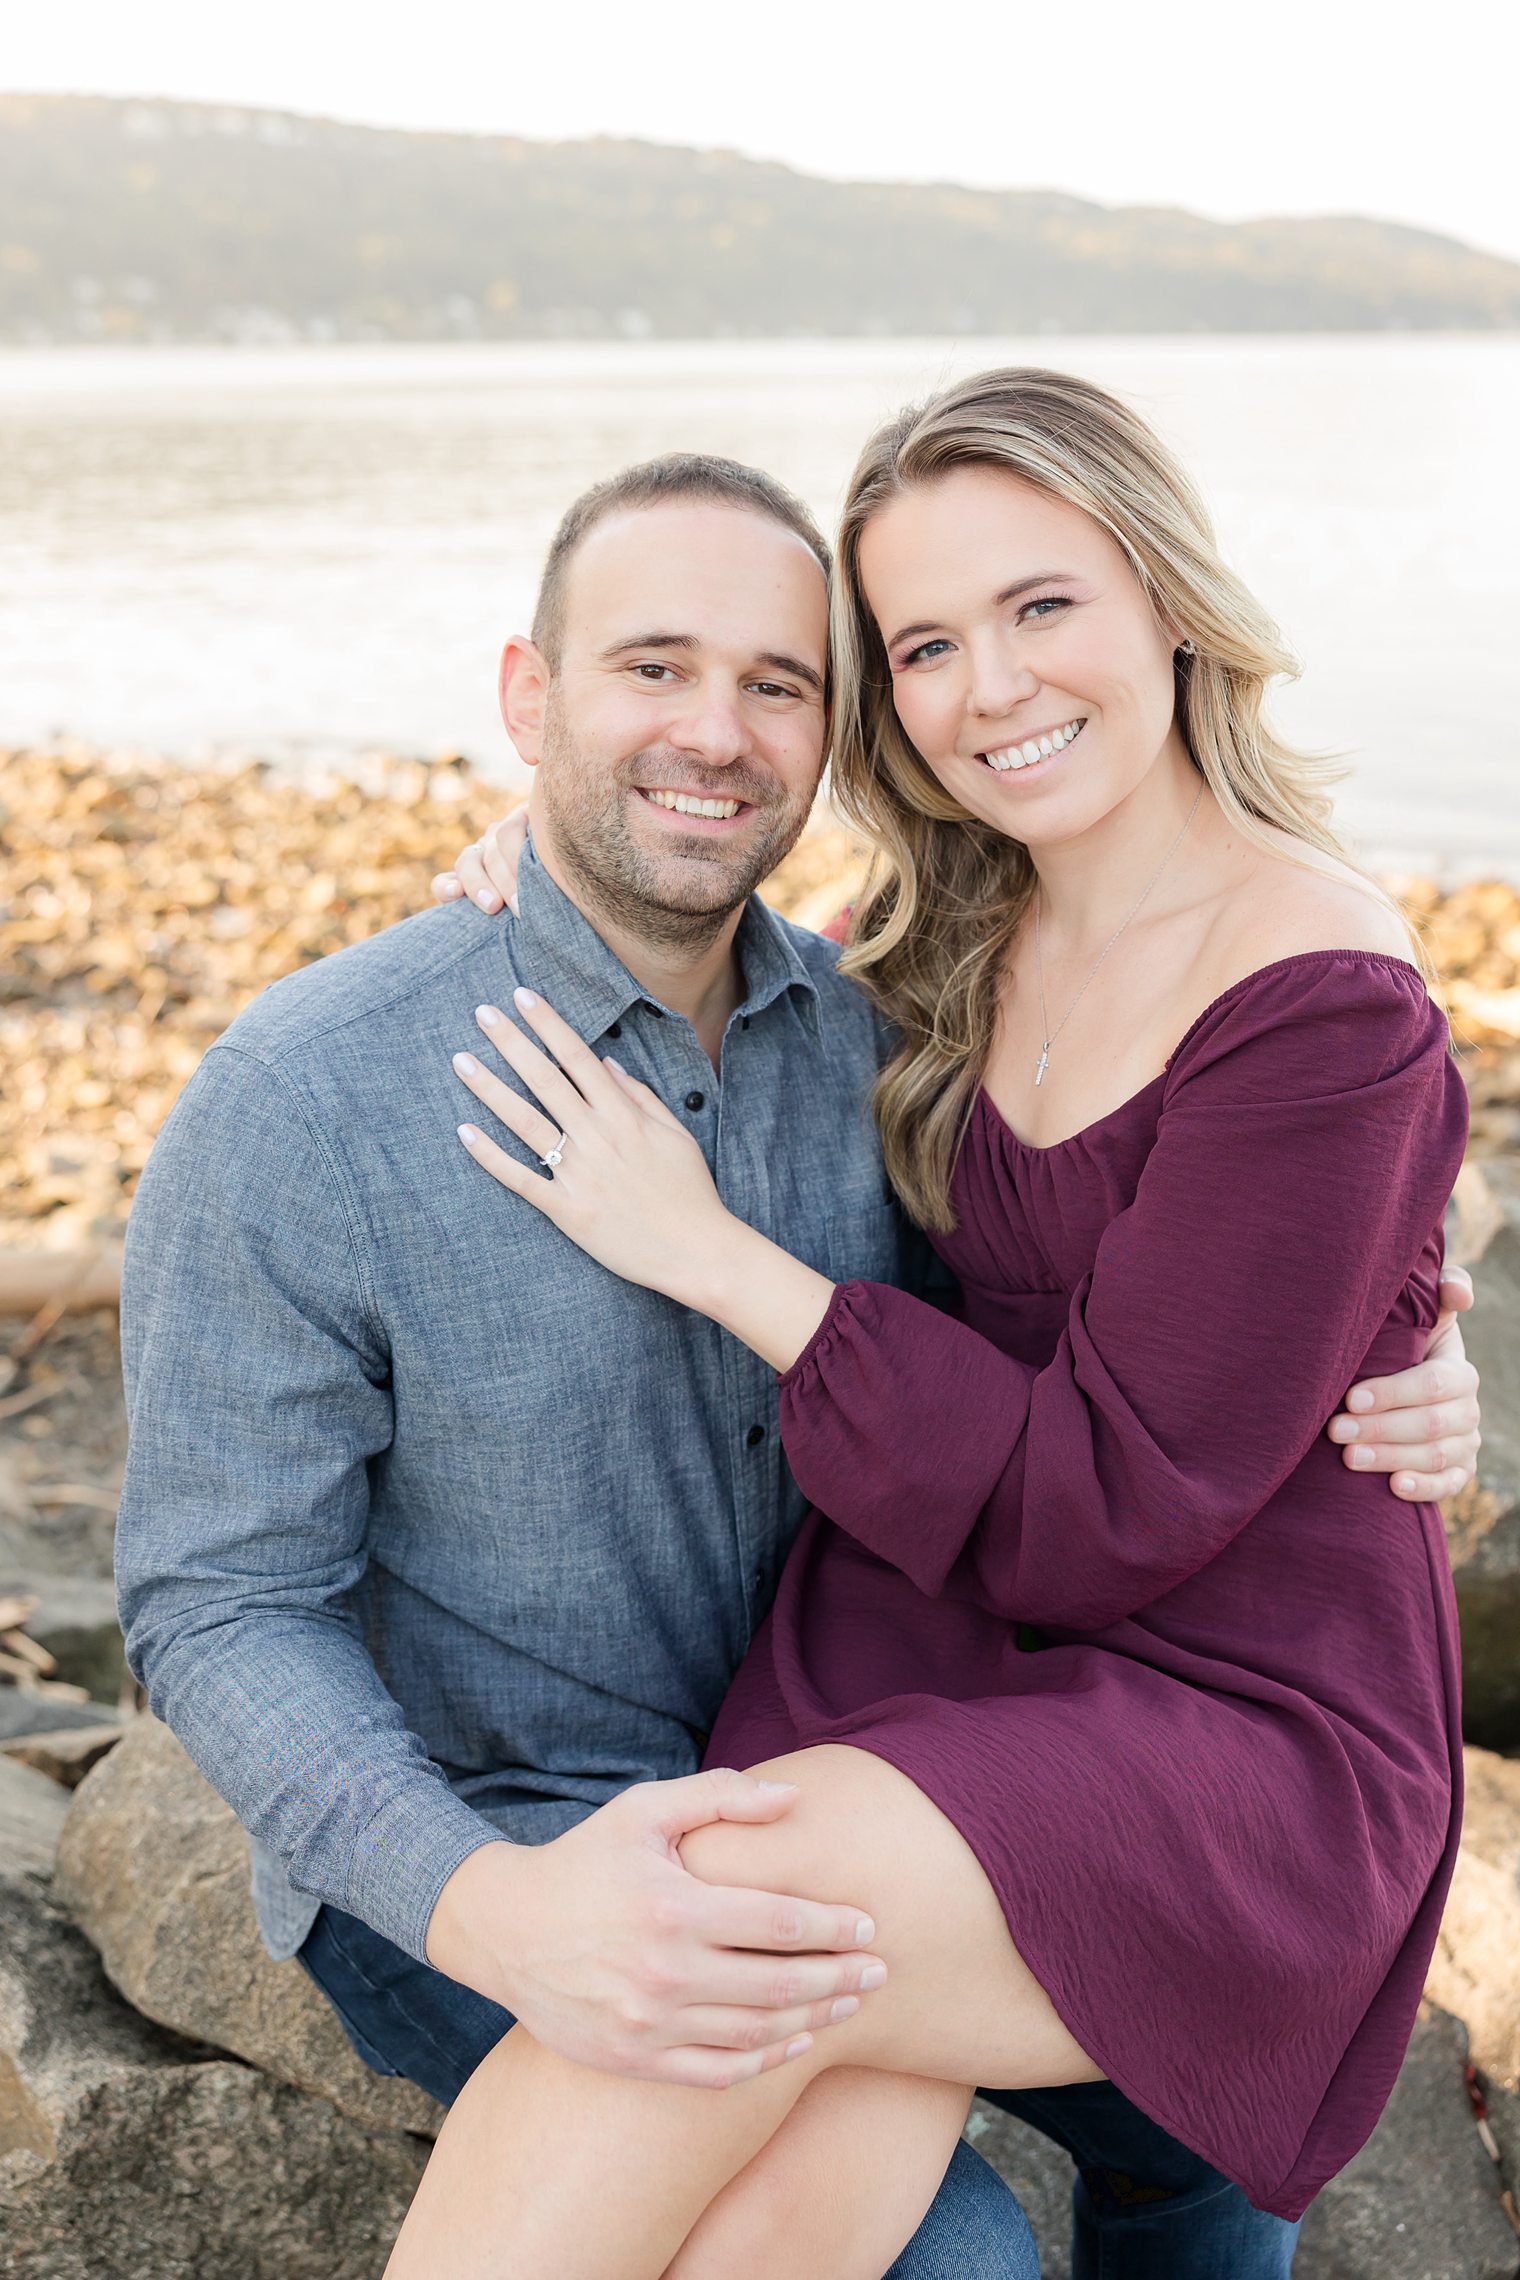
(555, 1156)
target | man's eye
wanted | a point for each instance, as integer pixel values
(772, 689)
(925, 649)
(651, 670)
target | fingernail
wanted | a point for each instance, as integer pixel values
(466, 1064)
(487, 1016)
(799, 2045)
(1404, 1483)
(1362, 1456)
(468, 1134)
(1345, 1429)
(486, 901)
(1360, 1398)
(778, 1785)
(874, 1975)
(512, 906)
(525, 999)
(845, 2008)
(616, 1066)
(865, 1932)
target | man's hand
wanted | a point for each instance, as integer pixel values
(614, 1954)
(1421, 1426)
(486, 870)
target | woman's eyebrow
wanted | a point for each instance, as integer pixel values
(1008, 594)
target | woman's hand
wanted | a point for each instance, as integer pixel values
(486, 870)
(631, 1186)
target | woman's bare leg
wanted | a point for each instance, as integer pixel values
(840, 2189)
(550, 2171)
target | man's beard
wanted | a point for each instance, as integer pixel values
(675, 898)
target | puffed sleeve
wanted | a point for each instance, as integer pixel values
(1311, 1127)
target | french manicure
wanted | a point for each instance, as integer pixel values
(799, 2045)
(865, 1932)
(845, 2008)
(468, 1134)
(778, 1784)
(486, 901)
(874, 1975)
(525, 999)
(487, 1016)
(466, 1064)
(512, 905)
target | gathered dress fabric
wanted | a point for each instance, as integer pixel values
(1083, 1564)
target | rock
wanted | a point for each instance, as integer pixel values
(32, 1811)
(154, 1869)
(126, 2152)
(66, 1755)
(1475, 1973)
(1483, 1524)
(1421, 2199)
(1039, 2173)
(76, 1622)
(25, 1712)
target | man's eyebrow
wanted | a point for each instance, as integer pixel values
(650, 641)
(1008, 594)
(794, 666)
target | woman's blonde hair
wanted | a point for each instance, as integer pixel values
(947, 891)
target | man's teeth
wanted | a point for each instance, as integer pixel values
(1038, 748)
(684, 806)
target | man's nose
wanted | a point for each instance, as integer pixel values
(711, 728)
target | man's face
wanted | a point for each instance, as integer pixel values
(684, 728)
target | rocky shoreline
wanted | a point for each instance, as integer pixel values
(170, 2100)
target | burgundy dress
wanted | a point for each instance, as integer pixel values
(1084, 1565)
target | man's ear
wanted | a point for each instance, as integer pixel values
(523, 687)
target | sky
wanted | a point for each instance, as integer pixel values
(1297, 107)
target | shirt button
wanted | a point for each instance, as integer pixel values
(696, 1100)
(754, 1437)
(615, 1029)
(757, 1580)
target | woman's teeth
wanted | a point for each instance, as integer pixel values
(684, 806)
(1038, 748)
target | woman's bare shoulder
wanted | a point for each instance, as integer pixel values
(1296, 899)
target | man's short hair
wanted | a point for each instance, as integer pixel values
(679, 475)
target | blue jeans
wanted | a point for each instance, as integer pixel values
(1143, 2207)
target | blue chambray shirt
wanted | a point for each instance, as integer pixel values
(432, 1529)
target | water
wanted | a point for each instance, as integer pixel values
(314, 553)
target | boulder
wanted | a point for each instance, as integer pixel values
(154, 1869)
(1476, 1969)
(1483, 1523)
(32, 1811)
(1421, 2199)
(125, 2151)
(65, 1754)
(24, 1710)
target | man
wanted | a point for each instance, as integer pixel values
(438, 1545)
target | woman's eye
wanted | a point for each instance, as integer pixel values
(925, 649)
(1045, 605)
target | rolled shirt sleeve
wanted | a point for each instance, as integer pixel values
(258, 1397)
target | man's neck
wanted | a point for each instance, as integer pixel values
(701, 980)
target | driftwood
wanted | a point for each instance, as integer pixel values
(68, 1281)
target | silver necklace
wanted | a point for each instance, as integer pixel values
(1050, 1035)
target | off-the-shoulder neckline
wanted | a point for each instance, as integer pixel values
(1258, 973)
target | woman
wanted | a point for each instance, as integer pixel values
(1109, 1691)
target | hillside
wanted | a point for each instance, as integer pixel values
(135, 220)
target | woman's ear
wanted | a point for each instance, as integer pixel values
(523, 687)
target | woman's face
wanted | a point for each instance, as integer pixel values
(1028, 667)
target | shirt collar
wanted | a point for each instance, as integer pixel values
(590, 986)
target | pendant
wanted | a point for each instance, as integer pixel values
(1039, 1075)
